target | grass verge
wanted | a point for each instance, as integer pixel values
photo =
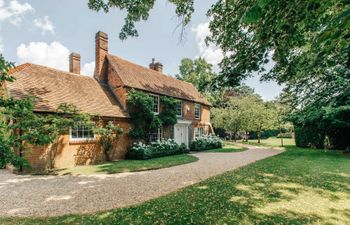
(228, 148)
(272, 141)
(129, 165)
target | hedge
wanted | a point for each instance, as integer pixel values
(156, 149)
(206, 143)
(309, 136)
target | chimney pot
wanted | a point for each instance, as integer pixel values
(74, 63)
(157, 66)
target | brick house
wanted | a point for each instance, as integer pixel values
(104, 98)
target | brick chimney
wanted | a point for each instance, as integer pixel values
(101, 44)
(74, 63)
(157, 66)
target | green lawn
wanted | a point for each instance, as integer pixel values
(273, 141)
(130, 165)
(228, 148)
(299, 186)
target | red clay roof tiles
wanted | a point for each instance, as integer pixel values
(139, 77)
(53, 87)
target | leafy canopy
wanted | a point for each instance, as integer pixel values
(138, 10)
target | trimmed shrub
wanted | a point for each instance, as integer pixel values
(206, 143)
(156, 149)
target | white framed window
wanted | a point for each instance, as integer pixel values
(155, 103)
(197, 111)
(179, 109)
(81, 133)
(198, 132)
(155, 135)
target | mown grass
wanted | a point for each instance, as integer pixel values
(228, 148)
(299, 186)
(273, 142)
(129, 165)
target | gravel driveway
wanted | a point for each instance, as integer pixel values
(57, 195)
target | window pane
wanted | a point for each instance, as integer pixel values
(85, 133)
(197, 111)
(155, 105)
(155, 135)
(74, 133)
(80, 133)
(179, 108)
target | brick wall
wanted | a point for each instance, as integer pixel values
(70, 154)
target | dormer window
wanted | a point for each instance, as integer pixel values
(155, 104)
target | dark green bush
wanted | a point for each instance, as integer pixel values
(309, 136)
(156, 149)
(206, 143)
(339, 138)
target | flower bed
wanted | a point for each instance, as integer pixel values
(156, 149)
(206, 143)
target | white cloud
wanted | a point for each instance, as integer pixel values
(210, 53)
(44, 24)
(53, 55)
(13, 11)
(88, 69)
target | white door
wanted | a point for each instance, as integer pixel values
(180, 134)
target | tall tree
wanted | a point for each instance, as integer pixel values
(198, 72)
(244, 114)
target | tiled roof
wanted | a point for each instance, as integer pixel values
(53, 87)
(139, 77)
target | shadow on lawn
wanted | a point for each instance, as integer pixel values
(296, 187)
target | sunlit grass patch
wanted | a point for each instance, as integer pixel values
(123, 166)
(330, 207)
(228, 147)
(273, 141)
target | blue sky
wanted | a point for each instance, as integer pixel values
(45, 32)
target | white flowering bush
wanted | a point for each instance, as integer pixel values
(156, 149)
(206, 142)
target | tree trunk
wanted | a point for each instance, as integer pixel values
(258, 137)
(107, 156)
(53, 151)
(20, 153)
(281, 137)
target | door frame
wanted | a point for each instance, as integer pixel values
(186, 124)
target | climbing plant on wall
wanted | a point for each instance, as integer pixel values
(143, 119)
(168, 113)
(109, 136)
